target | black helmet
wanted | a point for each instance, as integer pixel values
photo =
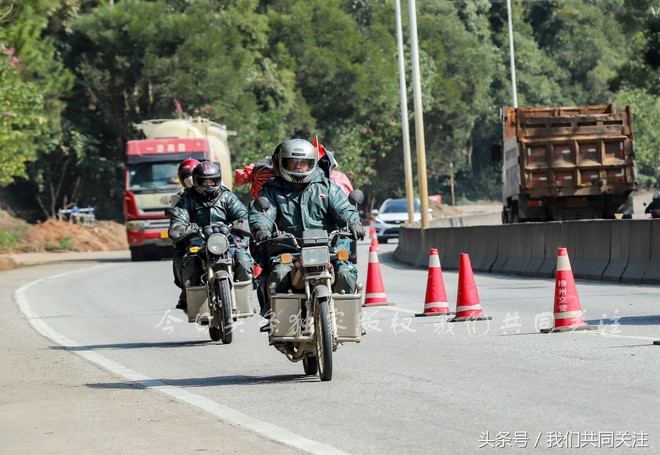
(207, 179)
(295, 160)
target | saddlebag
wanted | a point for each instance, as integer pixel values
(285, 315)
(243, 292)
(348, 311)
(198, 305)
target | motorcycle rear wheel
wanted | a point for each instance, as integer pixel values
(310, 365)
(323, 334)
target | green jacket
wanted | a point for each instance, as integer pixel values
(226, 208)
(322, 204)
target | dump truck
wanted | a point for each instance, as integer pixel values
(567, 163)
(149, 175)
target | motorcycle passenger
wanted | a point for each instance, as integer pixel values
(301, 197)
(184, 175)
(654, 207)
(206, 203)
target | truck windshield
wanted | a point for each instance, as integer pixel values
(153, 175)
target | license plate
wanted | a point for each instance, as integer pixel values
(576, 202)
(163, 235)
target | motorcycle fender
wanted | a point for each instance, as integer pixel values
(322, 291)
(222, 275)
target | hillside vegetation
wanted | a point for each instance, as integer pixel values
(76, 75)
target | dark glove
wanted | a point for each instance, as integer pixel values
(262, 233)
(241, 228)
(357, 232)
(182, 231)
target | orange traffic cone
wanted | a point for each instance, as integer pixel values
(374, 238)
(468, 307)
(375, 294)
(435, 303)
(568, 312)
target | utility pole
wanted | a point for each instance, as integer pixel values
(419, 119)
(512, 57)
(451, 183)
(407, 162)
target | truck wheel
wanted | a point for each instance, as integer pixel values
(137, 254)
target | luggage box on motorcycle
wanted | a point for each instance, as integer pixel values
(285, 315)
(198, 305)
(243, 292)
(348, 312)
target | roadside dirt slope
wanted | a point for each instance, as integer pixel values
(55, 235)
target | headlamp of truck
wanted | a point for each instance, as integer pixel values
(217, 244)
(318, 255)
(134, 225)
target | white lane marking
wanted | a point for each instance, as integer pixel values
(225, 413)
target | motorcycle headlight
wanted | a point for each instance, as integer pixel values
(217, 244)
(318, 255)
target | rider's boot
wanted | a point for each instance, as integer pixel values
(182, 304)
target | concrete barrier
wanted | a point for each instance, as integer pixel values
(619, 250)
(553, 241)
(610, 250)
(535, 235)
(594, 252)
(450, 247)
(639, 253)
(519, 251)
(652, 273)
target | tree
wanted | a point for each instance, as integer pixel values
(22, 116)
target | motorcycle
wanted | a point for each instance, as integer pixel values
(220, 301)
(308, 322)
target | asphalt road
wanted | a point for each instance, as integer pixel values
(414, 385)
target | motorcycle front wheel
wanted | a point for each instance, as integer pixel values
(223, 293)
(323, 334)
(220, 328)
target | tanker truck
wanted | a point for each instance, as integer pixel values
(567, 163)
(149, 175)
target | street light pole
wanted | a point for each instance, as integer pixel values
(407, 164)
(511, 55)
(419, 119)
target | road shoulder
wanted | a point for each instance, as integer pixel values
(54, 401)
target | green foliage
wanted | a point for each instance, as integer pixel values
(646, 112)
(275, 69)
(8, 239)
(22, 116)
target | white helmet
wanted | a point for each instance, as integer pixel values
(295, 160)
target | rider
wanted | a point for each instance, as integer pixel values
(654, 207)
(208, 202)
(301, 197)
(184, 175)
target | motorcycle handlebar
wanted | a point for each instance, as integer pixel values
(281, 235)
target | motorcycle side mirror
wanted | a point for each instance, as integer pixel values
(261, 204)
(356, 197)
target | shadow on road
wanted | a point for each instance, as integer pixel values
(209, 382)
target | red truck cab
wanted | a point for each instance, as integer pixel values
(150, 177)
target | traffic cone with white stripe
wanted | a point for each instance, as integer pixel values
(375, 293)
(374, 239)
(568, 312)
(468, 307)
(435, 303)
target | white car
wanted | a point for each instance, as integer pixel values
(391, 215)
